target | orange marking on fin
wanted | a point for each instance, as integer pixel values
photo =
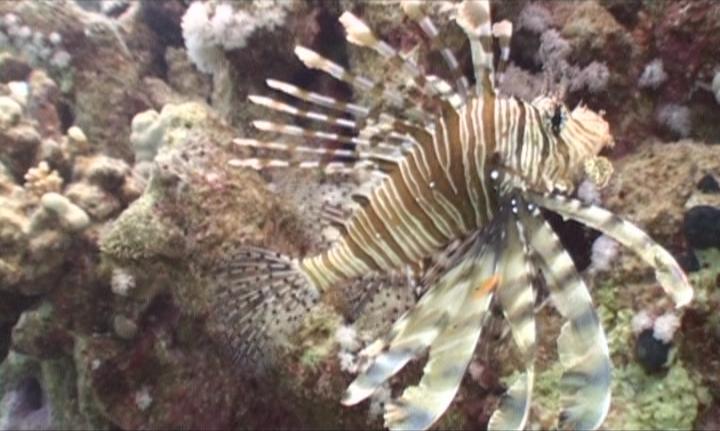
(487, 286)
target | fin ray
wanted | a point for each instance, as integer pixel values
(257, 288)
(421, 405)
(667, 271)
(582, 345)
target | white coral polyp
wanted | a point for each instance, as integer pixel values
(665, 327)
(534, 18)
(199, 41)
(122, 281)
(604, 251)
(641, 321)
(346, 336)
(654, 75)
(206, 36)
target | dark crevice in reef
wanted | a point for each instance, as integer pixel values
(576, 238)
(67, 117)
(164, 17)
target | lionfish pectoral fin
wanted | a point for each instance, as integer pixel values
(420, 406)
(419, 328)
(668, 272)
(408, 338)
(517, 298)
(586, 377)
(262, 300)
(514, 408)
(582, 346)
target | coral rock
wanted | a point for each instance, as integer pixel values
(18, 147)
(71, 216)
(10, 112)
(673, 170)
(13, 68)
(38, 334)
(702, 227)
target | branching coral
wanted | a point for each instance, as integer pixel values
(41, 179)
(70, 216)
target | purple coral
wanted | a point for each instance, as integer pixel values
(676, 118)
(654, 75)
(26, 407)
(534, 18)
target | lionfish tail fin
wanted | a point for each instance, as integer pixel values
(263, 299)
(667, 271)
(582, 346)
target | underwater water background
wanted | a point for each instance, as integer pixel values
(120, 206)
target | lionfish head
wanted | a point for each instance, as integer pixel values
(579, 136)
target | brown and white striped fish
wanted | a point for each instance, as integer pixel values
(459, 162)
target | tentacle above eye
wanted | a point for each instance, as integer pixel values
(667, 271)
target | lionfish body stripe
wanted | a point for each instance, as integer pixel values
(460, 183)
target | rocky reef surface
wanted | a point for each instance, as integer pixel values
(117, 202)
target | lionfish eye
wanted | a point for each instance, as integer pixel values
(557, 120)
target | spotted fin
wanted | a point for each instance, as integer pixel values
(261, 301)
(377, 300)
(667, 271)
(582, 346)
(420, 406)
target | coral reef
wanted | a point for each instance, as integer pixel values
(117, 205)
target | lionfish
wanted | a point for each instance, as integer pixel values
(473, 169)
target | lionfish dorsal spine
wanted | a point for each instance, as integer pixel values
(413, 10)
